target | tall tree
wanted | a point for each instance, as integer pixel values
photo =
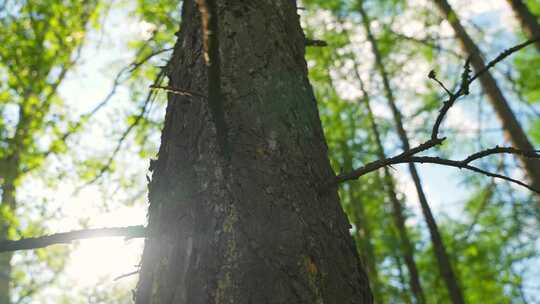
(347, 136)
(441, 254)
(238, 209)
(46, 36)
(528, 20)
(509, 122)
(398, 215)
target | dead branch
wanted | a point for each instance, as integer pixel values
(177, 91)
(410, 155)
(315, 42)
(68, 237)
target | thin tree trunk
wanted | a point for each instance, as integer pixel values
(512, 128)
(363, 231)
(252, 227)
(366, 249)
(8, 202)
(529, 22)
(443, 261)
(404, 294)
(397, 209)
(362, 223)
(9, 174)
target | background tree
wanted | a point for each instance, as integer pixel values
(508, 120)
(40, 44)
(529, 22)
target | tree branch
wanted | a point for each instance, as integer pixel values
(117, 81)
(177, 91)
(107, 165)
(410, 155)
(68, 237)
(503, 56)
(315, 42)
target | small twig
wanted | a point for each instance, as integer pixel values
(463, 90)
(501, 150)
(503, 55)
(117, 81)
(107, 165)
(428, 41)
(68, 237)
(177, 91)
(315, 42)
(433, 75)
(126, 275)
(136, 65)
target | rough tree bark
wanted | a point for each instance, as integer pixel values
(529, 22)
(253, 227)
(443, 261)
(511, 126)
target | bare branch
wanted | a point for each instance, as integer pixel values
(177, 91)
(68, 237)
(315, 42)
(117, 81)
(126, 275)
(409, 155)
(463, 90)
(462, 165)
(398, 159)
(107, 165)
(433, 76)
(503, 55)
(427, 41)
(501, 150)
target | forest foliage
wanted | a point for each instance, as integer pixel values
(489, 227)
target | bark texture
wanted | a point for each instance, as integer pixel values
(443, 260)
(529, 22)
(252, 227)
(511, 126)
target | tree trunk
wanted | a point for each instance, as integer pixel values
(443, 260)
(529, 22)
(403, 292)
(397, 213)
(363, 236)
(253, 227)
(407, 247)
(7, 205)
(365, 248)
(512, 128)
